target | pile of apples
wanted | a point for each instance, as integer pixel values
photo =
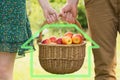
(68, 38)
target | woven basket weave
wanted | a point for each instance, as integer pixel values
(61, 59)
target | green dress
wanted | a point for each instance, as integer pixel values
(14, 26)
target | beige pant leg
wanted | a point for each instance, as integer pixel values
(103, 24)
(119, 14)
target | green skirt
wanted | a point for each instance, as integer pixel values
(14, 26)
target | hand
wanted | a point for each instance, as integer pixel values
(69, 11)
(50, 15)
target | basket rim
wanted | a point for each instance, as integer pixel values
(83, 43)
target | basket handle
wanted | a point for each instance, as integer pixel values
(40, 35)
(45, 22)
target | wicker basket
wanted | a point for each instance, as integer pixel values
(61, 59)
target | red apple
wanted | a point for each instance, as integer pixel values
(66, 40)
(59, 41)
(77, 38)
(46, 41)
(70, 34)
(53, 39)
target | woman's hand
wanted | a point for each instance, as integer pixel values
(49, 13)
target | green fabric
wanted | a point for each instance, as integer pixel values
(14, 26)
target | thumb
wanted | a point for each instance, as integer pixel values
(62, 13)
(74, 12)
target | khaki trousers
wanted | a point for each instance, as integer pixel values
(104, 23)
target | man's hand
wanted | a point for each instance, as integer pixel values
(69, 11)
(49, 13)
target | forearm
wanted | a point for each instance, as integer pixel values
(72, 1)
(44, 3)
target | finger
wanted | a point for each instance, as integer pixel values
(52, 18)
(55, 17)
(72, 19)
(65, 16)
(46, 17)
(49, 19)
(68, 17)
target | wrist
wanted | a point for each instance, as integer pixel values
(46, 7)
(44, 4)
(72, 2)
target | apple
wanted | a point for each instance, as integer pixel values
(59, 41)
(53, 39)
(77, 39)
(70, 34)
(66, 40)
(46, 41)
